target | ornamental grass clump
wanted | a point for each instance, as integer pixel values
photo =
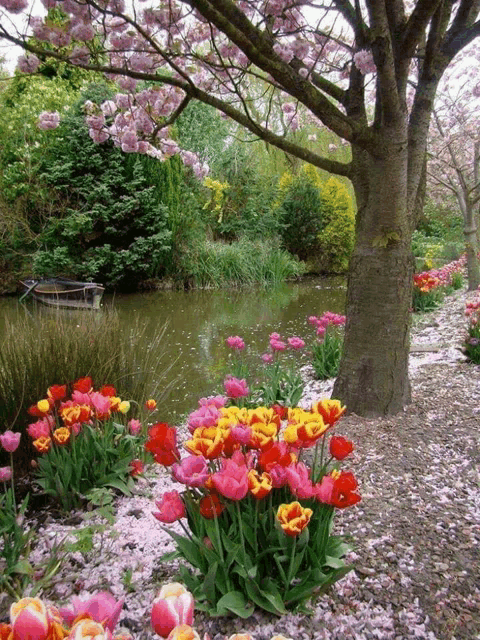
(327, 350)
(85, 442)
(258, 491)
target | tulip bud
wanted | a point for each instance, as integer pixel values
(88, 629)
(172, 607)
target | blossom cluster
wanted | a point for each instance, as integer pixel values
(253, 452)
(327, 319)
(60, 417)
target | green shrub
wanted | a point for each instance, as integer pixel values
(423, 301)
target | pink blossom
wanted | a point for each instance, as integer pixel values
(83, 32)
(134, 426)
(191, 471)
(267, 358)
(14, 6)
(363, 60)
(277, 345)
(275, 336)
(241, 434)
(232, 480)
(215, 401)
(101, 607)
(100, 403)
(295, 342)
(278, 473)
(5, 474)
(235, 342)
(82, 398)
(10, 441)
(28, 63)
(324, 490)
(48, 120)
(235, 388)
(205, 416)
(170, 508)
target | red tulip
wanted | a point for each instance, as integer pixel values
(340, 447)
(170, 508)
(162, 442)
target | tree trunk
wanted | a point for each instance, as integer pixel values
(373, 377)
(471, 247)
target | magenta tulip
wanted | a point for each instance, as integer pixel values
(235, 388)
(170, 508)
(172, 607)
(5, 474)
(10, 441)
(191, 471)
(235, 342)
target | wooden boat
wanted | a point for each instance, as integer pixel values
(60, 292)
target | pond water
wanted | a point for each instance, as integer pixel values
(198, 323)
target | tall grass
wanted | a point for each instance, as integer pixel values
(244, 262)
(58, 347)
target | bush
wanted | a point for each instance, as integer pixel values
(318, 220)
(471, 345)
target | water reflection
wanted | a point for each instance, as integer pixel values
(200, 321)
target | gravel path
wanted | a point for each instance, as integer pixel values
(416, 532)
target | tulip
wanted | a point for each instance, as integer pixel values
(330, 410)
(293, 518)
(170, 508)
(343, 490)
(10, 441)
(5, 631)
(298, 477)
(136, 467)
(172, 607)
(205, 416)
(38, 429)
(162, 442)
(134, 426)
(210, 506)
(216, 401)
(43, 444)
(241, 636)
(259, 485)
(124, 407)
(61, 435)
(150, 404)
(231, 481)
(29, 619)
(43, 406)
(5, 474)
(340, 447)
(84, 385)
(295, 342)
(206, 442)
(88, 629)
(235, 342)
(192, 471)
(108, 390)
(102, 608)
(267, 358)
(183, 632)
(57, 392)
(235, 388)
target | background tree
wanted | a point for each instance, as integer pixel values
(334, 60)
(454, 154)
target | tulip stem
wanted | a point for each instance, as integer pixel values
(189, 535)
(13, 483)
(240, 526)
(292, 558)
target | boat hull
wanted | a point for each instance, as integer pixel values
(66, 294)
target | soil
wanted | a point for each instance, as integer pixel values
(416, 533)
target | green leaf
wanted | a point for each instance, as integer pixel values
(23, 567)
(302, 591)
(335, 563)
(267, 600)
(209, 583)
(189, 550)
(235, 602)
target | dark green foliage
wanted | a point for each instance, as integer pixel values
(471, 346)
(326, 355)
(302, 217)
(114, 227)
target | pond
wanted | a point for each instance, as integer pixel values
(198, 323)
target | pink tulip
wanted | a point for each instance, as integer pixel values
(236, 388)
(232, 480)
(267, 358)
(235, 342)
(298, 477)
(275, 336)
(241, 434)
(101, 607)
(277, 345)
(278, 474)
(205, 416)
(191, 471)
(10, 441)
(296, 343)
(172, 607)
(216, 401)
(134, 426)
(324, 490)
(170, 508)
(5, 474)
(29, 619)
(39, 429)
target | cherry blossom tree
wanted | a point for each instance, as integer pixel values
(334, 57)
(454, 151)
